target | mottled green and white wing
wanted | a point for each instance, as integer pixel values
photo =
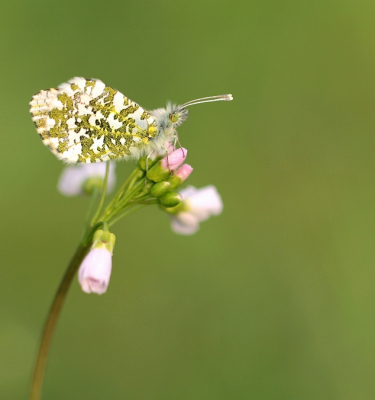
(86, 121)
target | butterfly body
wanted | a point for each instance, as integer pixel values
(85, 121)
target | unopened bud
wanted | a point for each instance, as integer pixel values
(176, 209)
(159, 189)
(180, 176)
(163, 168)
(95, 270)
(104, 239)
(170, 199)
(145, 164)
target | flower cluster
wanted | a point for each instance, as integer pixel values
(154, 181)
(166, 174)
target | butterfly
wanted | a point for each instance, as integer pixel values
(86, 121)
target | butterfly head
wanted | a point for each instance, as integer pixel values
(169, 118)
(177, 115)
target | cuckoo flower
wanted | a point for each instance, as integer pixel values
(197, 205)
(83, 178)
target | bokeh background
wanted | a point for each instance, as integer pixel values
(273, 299)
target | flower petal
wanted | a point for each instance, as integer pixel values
(197, 206)
(183, 226)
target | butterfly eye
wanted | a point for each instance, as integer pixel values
(173, 117)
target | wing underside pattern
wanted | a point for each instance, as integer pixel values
(86, 121)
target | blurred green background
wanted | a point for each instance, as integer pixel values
(273, 299)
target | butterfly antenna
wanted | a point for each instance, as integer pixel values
(222, 97)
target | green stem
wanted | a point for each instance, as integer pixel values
(123, 203)
(119, 194)
(99, 210)
(151, 201)
(93, 199)
(125, 213)
(133, 179)
(54, 312)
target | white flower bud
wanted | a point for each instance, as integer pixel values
(95, 271)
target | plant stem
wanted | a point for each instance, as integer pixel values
(54, 312)
(124, 189)
(93, 199)
(122, 215)
(104, 192)
(122, 203)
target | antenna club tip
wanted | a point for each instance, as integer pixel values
(228, 97)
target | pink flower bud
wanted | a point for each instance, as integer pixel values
(163, 168)
(180, 176)
(173, 160)
(95, 271)
(184, 172)
(170, 148)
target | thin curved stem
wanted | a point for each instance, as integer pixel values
(93, 200)
(104, 192)
(124, 214)
(54, 312)
(124, 189)
(123, 202)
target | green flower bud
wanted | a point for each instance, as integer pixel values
(170, 199)
(103, 240)
(159, 189)
(176, 209)
(158, 172)
(140, 174)
(142, 162)
(180, 176)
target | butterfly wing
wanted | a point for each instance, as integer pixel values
(85, 121)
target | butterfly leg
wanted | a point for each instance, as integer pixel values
(166, 150)
(176, 140)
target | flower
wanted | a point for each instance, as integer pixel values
(197, 205)
(95, 271)
(82, 178)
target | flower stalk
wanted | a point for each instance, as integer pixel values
(54, 312)
(104, 191)
(119, 207)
